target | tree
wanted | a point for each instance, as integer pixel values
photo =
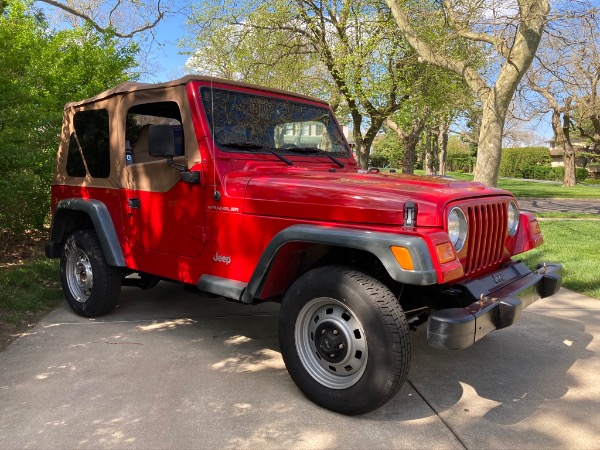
(511, 34)
(436, 99)
(41, 71)
(272, 58)
(409, 134)
(565, 78)
(586, 78)
(369, 64)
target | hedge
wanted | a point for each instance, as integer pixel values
(460, 162)
(515, 160)
(378, 160)
(552, 173)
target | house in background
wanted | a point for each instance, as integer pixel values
(557, 153)
(579, 144)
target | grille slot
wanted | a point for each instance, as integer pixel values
(487, 232)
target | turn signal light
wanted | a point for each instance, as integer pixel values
(403, 257)
(445, 252)
(535, 227)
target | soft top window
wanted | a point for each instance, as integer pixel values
(89, 145)
(140, 118)
(247, 122)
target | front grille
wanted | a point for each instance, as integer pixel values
(487, 234)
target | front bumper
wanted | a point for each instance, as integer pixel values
(459, 328)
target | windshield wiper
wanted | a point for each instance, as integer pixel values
(315, 150)
(251, 146)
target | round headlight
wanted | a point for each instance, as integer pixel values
(513, 217)
(457, 228)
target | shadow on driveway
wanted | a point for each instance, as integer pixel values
(173, 369)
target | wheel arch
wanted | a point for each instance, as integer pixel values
(75, 214)
(323, 240)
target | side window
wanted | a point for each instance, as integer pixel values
(91, 138)
(140, 118)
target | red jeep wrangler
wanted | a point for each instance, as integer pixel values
(253, 194)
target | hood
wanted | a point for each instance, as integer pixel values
(374, 198)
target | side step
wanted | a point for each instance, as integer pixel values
(223, 287)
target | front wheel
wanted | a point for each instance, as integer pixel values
(344, 339)
(90, 285)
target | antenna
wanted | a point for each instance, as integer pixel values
(216, 194)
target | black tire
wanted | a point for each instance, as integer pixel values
(90, 285)
(344, 307)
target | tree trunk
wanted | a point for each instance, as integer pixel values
(410, 139)
(428, 152)
(369, 138)
(570, 178)
(362, 160)
(431, 152)
(489, 148)
(443, 147)
(363, 143)
(562, 139)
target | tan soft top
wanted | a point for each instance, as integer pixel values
(128, 87)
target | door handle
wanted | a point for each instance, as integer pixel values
(134, 203)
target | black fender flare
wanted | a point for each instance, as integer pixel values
(376, 243)
(101, 220)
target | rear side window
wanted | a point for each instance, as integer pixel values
(89, 145)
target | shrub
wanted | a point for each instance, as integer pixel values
(378, 161)
(460, 162)
(552, 173)
(40, 70)
(515, 160)
(390, 147)
(540, 173)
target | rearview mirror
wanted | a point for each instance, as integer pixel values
(161, 141)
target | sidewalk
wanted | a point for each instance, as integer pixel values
(568, 205)
(170, 369)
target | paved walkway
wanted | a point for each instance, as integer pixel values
(536, 205)
(170, 369)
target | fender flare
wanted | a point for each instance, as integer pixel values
(376, 243)
(100, 218)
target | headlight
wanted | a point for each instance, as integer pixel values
(457, 228)
(513, 217)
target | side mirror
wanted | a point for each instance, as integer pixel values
(161, 141)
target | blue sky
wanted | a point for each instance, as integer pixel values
(166, 55)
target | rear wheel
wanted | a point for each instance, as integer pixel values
(344, 339)
(90, 285)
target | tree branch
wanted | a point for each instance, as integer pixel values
(105, 29)
(497, 42)
(471, 77)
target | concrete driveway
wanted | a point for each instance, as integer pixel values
(170, 369)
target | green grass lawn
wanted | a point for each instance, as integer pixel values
(565, 215)
(31, 287)
(574, 244)
(546, 190)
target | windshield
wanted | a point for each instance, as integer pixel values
(246, 122)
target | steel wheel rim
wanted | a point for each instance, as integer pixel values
(315, 332)
(80, 277)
